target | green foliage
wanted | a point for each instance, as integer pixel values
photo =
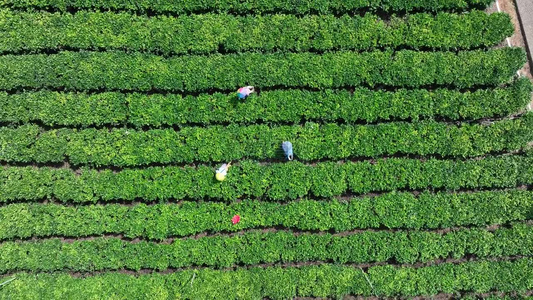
(127, 147)
(145, 72)
(248, 6)
(160, 221)
(272, 181)
(136, 109)
(279, 282)
(350, 61)
(256, 247)
(207, 33)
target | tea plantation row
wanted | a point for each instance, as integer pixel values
(126, 147)
(207, 33)
(272, 181)
(391, 210)
(138, 109)
(147, 72)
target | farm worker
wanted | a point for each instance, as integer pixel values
(245, 92)
(221, 172)
(236, 219)
(287, 148)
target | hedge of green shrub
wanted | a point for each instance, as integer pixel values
(279, 282)
(207, 33)
(129, 147)
(250, 6)
(271, 181)
(146, 72)
(137, 109)
(392, 210)
(257, 248)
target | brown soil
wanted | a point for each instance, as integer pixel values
(439, 296)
